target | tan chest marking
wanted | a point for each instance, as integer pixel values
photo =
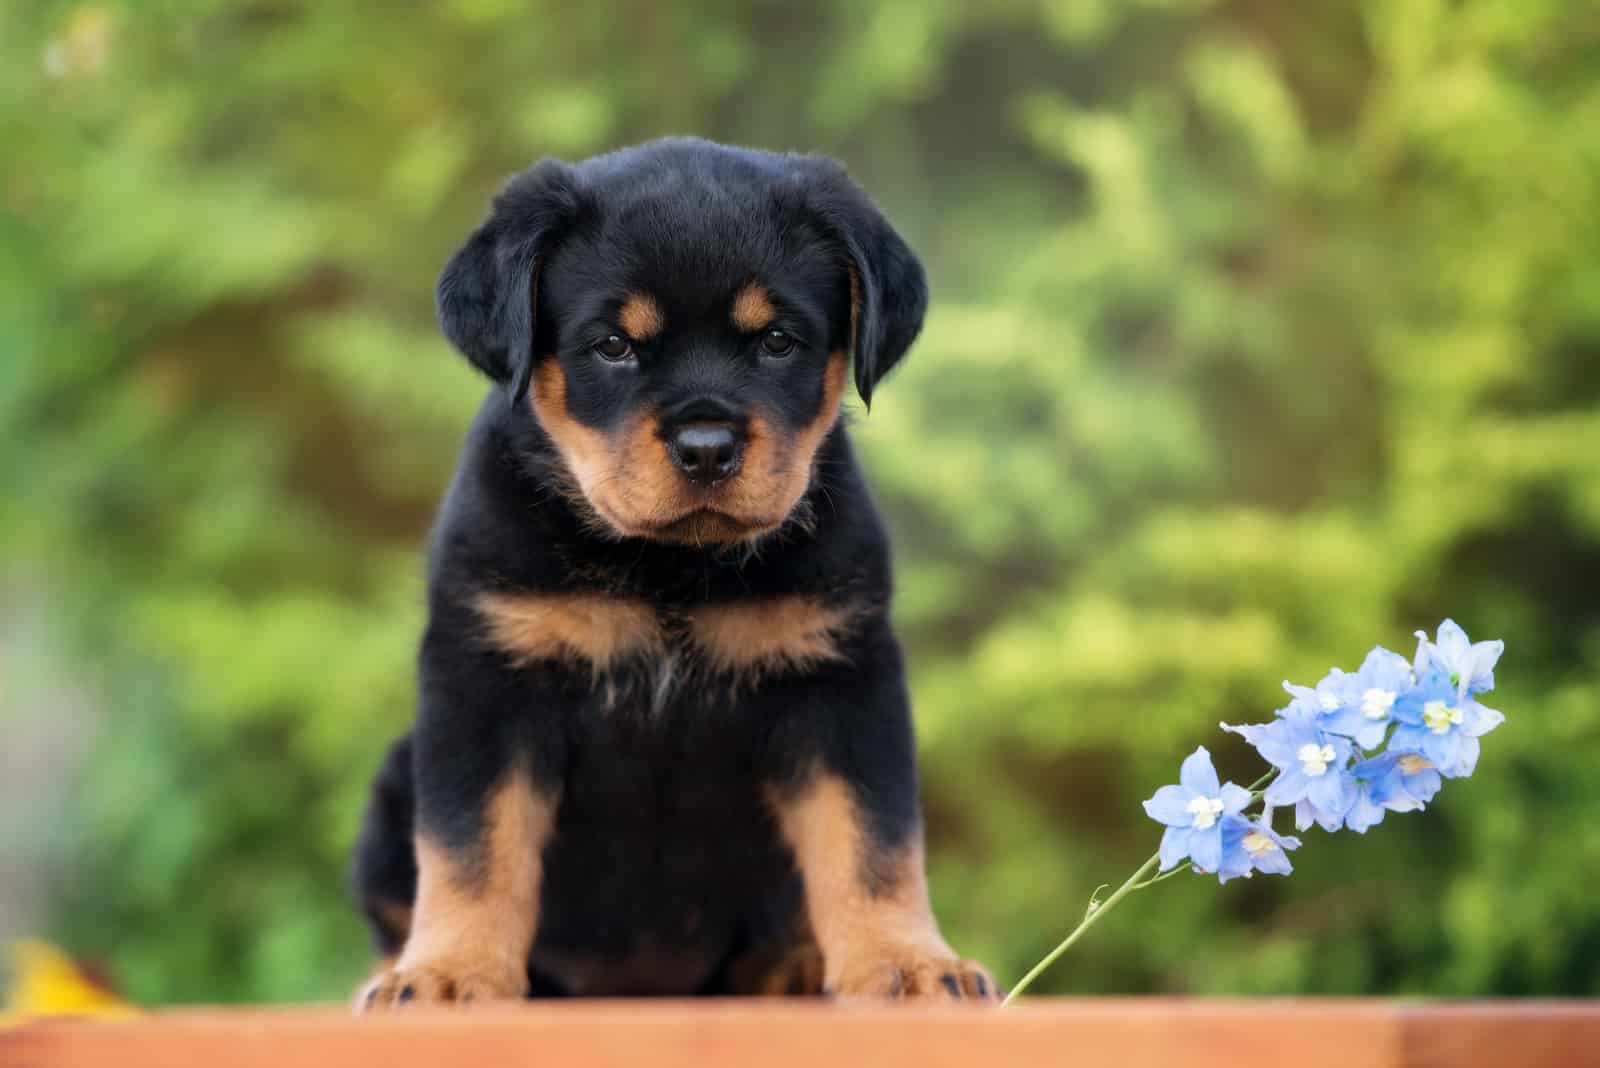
(598, 630)
(756, 637)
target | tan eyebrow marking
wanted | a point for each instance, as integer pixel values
(640, 316)
(752, 308)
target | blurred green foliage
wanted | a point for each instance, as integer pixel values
(1262, 332)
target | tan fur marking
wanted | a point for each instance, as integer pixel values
(776, 472)
(869, 910)
(752, 308)
(586, 451)
(593, 628)
(759, 636)
(640, 316)
(475, 920)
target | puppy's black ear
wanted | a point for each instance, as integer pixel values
(888, 289)
(487, 297)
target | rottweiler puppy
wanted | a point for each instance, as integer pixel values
(663, 744)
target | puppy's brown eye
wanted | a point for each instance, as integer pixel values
(777, 343)
(613, 349)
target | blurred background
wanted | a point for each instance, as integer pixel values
(1262, 332)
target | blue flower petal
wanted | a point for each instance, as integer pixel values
(1276, 861)
(1205, 849)
(1170, 805)
(1442, 749)
(1327, 792)
(1466, 761)
(1407, 738)
(1234, 798)
(1364, 812)
(1198, 776)
(1174, 847)
(1478, 720)
(1423, 785)
(1480, 676)
(1287, 788)
(1304, 815)
(1272, 740)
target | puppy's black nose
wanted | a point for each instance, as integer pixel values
(706, 452)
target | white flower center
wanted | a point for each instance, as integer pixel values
(1376, 703)
(1205, 811)
(1256, 843)
(1328, 702)
(1314, 759)
(1439, 716)
(1412, 763)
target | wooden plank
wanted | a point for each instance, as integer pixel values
(1522, 1034)
(1120, 1032)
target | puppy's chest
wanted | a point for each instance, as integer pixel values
(636, 651)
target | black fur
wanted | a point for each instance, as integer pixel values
(666, 862)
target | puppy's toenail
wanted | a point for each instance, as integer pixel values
(406, 994)
(950, 984)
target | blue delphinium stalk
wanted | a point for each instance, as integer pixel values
(1344, 753)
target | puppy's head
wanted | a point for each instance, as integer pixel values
(679, 318)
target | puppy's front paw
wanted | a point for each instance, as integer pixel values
(442, 982)
(917, 973)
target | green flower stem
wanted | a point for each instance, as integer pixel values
(1136, 881)
(1164, 876)
(1089, 920)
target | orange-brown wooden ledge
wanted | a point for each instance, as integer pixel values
(1118, 1032)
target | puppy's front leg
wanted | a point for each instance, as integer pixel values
(868, 903)
(477, 907)
(486, 806)
(851, 818)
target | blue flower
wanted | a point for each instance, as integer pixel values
(1468, 665)
(1249, 846)
(1193, 812)
(1437, 720)
(1390, 782)
(1313, 703)
(1366, 700)
(1313, 767)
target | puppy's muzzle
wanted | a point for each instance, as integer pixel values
(707, 452)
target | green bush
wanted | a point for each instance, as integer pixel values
(1262, 332)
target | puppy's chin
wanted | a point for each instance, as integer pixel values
(702, 526)
(706, 526)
